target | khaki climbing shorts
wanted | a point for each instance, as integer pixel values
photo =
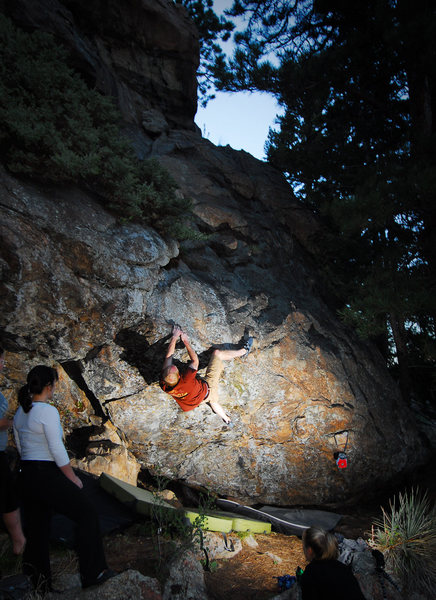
(212, 377)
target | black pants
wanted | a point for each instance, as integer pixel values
(45, 490)
(8, 496)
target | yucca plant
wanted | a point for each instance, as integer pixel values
(407, 537)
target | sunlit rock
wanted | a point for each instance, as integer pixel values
(97, 298)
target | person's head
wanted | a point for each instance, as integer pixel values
(319, 544)
(171, 375)
(40, 381)
(2, 358)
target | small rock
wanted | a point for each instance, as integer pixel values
(275, 558)
(294, 593)
(217, 547)
(113, 459)
(250, 541)
(186, 579)
(168, 496)
(129, 585)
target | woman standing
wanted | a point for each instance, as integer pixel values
(325, 578)
(48, 483)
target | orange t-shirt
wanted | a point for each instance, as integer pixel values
(189, 391)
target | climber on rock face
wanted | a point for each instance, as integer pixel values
(185, 387)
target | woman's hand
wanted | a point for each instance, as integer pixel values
(70, 474)
(78, 482)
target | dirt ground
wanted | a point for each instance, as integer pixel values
(253, 573)
(250, 575)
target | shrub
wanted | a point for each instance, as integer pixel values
(172, 531)
(407, 537)
(54, 128)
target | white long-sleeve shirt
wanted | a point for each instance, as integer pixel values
(38, 434)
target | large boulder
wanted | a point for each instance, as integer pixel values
(82, 289)
(72, 275)
(97, 297)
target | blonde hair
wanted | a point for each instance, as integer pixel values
(323, 543)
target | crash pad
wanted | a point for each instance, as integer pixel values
(146, 503)
(278, 524)
(238, 522)
(141, 501)
(305, 516)
(284, 520)
(209, 522)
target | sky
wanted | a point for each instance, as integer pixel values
(241, 119)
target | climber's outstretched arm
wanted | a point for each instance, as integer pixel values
(192, 354)
(171, 347)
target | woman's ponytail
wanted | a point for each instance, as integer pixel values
(24, 398)
(323, 543)
(37, 379)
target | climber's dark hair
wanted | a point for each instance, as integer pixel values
(37, 379)
(323, 543)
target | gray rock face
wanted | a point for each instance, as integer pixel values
(186, 579)
(129, 585)
(70, 270)
(142, 52)
(79, 288)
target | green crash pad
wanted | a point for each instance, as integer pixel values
(238, 523)
(142, 501)
(210, 523)
(146, 503)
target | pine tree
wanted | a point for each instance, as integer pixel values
(357, 82)
(211, 29)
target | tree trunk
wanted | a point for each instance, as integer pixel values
(399, 333)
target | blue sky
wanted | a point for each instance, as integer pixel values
(241, 119)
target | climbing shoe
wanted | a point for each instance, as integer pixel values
(247, 347)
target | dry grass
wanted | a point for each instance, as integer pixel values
(63, 561)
